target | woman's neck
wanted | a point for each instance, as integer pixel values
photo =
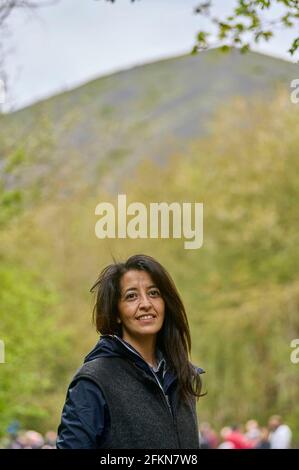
(145, 346)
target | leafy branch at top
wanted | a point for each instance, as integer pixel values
(247, 23)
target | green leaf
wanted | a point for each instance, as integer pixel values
(245, 48)
(225, 48)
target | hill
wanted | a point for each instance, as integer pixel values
(97, 132)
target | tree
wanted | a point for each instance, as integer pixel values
(7, 7)
(249, 21)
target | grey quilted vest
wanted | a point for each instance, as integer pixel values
(140, 415)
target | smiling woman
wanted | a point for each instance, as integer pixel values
(140, 312)
(141, 359)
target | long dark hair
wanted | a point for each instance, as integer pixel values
(174, 337)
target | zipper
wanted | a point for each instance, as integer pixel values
(154, 374)
(158, 382)
(170, 410)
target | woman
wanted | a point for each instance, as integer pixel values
(136, 388)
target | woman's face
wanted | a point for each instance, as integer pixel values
(141, 307)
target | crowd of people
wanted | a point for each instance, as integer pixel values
(276, 435)
(29, 440)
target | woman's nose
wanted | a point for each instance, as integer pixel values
(144, 302)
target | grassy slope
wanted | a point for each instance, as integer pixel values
(103, 128)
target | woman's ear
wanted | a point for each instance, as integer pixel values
(118, 320)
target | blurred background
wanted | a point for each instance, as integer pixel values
(103, 99)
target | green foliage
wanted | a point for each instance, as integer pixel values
(14, 160)
(294, 47)
(11, 200)
(10, 205)
(34, 347)
(247, 17)
(248, 20)
(17, 190)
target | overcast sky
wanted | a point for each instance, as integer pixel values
(64, 45)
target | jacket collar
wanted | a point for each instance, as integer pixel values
(159, 355)
(115, 346)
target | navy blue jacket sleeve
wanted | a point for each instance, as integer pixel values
(83, 422)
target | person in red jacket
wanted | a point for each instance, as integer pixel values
(237, 438)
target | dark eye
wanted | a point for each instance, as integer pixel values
(154, 293)
(130, 296)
